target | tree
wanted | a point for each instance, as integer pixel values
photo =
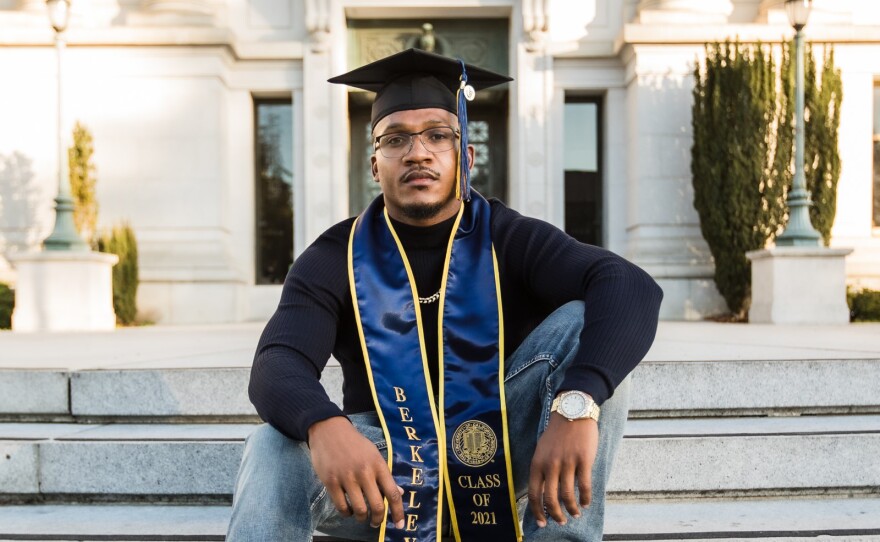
(122, 242)
(82, 182)
(823, 98)
(733, 160)
(742, 155)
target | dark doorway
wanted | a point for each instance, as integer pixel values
(583, 168)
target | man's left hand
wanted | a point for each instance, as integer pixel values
(563, 457)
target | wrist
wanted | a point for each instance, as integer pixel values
(575, 405)
(334, 423)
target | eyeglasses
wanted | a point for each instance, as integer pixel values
(397, 145)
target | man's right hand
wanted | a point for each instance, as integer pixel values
(349, 465)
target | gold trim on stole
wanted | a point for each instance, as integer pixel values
(360, 329)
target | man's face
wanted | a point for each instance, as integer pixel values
(419, 187)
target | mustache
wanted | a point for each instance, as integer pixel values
(419, 172)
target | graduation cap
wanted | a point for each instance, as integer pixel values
(416, 79)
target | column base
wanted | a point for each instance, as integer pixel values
(63, 291)
(799, 285)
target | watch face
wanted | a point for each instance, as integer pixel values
(572, 405)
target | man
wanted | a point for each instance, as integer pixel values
(420, 298)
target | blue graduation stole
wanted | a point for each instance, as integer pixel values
(459, 449)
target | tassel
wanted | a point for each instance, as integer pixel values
(463, 175)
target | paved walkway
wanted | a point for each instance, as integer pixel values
(232, 345)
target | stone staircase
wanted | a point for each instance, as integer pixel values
(714, 450)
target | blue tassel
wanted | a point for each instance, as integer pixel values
(464, 176)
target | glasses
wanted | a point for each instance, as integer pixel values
(397, 145)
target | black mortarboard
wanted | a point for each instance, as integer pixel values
(416, 79)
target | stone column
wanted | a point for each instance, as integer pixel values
(531, 188)
(684, 11)
(325, 134)
(799, 285)
(663, 230)
(64, 291)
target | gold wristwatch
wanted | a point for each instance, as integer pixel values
(575, 405)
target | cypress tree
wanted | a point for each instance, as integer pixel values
(742, 156)
(823, 98)
(82, 181)
(734, 114)
(121, 241)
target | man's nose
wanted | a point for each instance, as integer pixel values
(418, 152)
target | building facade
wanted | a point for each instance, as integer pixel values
(217, 137)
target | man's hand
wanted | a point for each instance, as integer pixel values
(563, 456)
(349, 465)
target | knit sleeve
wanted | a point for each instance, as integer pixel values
(299, 338)
(621, 301)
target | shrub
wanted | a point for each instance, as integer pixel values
(7, 302)
(82, 181)
(742, 155)
(823, 97)
(864, 305)
(121, 241)
(734, 116)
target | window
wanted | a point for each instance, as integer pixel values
(274, 178)
(583, 176)
(877, 156)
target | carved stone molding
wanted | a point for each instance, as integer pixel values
(318, 24)
(33, 6)
(174, 13)
(536, 23)
(684, 11)
(482, 43)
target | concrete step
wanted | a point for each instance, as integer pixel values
(806, 455)
(661, 389)
(765, 519)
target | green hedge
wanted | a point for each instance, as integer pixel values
(7, 302)
(737, 192)
(742, 154)
(121, 241)
(864, 305)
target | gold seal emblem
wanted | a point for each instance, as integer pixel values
(474, 443)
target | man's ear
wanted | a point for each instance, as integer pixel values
(470, 153)
(374, 167)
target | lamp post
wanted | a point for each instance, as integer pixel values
(799, 231)
(64, 235)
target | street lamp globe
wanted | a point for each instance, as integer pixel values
(798, 12)
(59, 14)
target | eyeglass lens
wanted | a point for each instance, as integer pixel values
(434, 139)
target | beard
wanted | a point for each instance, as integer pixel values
(423, 211)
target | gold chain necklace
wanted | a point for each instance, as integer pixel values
(430, 299)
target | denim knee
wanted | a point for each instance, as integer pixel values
(564, 325)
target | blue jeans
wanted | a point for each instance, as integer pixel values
(278, 497)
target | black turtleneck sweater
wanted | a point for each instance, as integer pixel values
(541, 268)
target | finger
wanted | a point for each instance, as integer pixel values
(585, 487)
(356, 498)
(337, 495)
(566, 491)
(551, 498)
(536, 493)
(394, 494)
(375, 502)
